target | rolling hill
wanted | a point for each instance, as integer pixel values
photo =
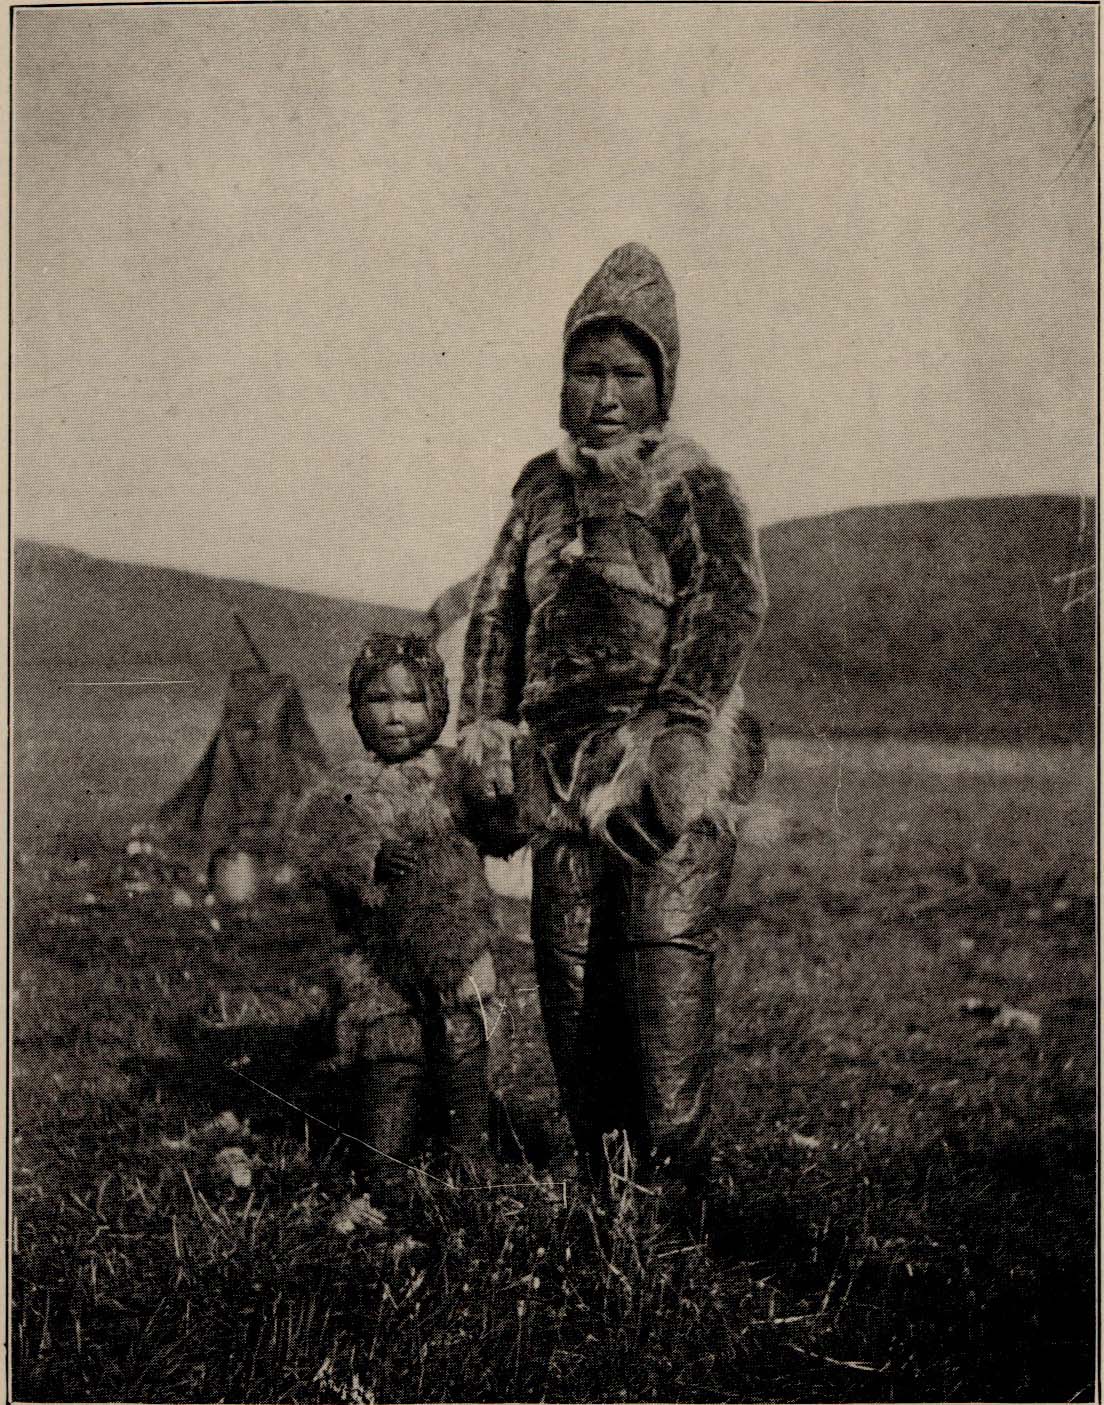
(950, 620)
(90, 616)
(945, 620)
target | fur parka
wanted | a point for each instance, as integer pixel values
(426, 931)
(622, 598)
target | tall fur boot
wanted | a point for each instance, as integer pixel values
(459, 1068)
(392, 1112)
(576, 991)
(467, 1108)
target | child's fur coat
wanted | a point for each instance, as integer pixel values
(425, 932)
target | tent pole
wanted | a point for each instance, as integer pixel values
(257, 655)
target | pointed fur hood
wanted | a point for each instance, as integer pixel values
(632, 287)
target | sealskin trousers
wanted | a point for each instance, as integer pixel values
(624, 958)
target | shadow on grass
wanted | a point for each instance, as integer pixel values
(275, 1077)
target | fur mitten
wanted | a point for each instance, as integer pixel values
(667, 778)
(621, 809)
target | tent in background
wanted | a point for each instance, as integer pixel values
(258, 764)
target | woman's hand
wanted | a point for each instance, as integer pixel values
(485, 750)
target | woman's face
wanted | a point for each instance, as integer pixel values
(609, 390)
(392, 715)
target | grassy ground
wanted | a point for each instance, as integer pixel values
(904, 1190)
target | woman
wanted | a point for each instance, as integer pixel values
(608, 635)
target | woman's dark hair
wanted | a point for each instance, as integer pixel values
(638, 340)
(419, 655)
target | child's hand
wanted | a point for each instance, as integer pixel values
(396, 859)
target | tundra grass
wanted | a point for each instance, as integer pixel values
(903, 1197)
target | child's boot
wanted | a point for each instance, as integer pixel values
(389, 1111)
(393, 1097)
(465, 1089)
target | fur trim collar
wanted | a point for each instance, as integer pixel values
(369, 769)
(642, 467)
(621, 461)
(404, 791)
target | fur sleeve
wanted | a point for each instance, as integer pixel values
(495, 646)
(721, 595)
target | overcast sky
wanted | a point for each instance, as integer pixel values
(290, 280)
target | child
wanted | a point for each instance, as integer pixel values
(608, 635)
(415, 977)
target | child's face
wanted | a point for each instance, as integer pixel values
(392, 715)
(609, 390)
